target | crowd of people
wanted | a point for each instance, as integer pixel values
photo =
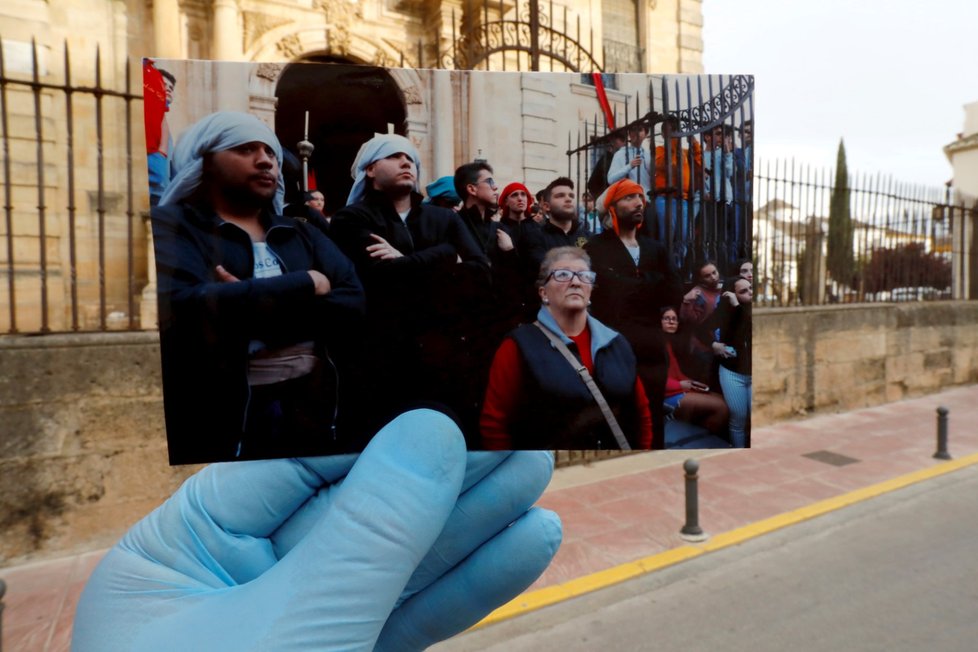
(534, 321)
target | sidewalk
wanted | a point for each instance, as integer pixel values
(618, 511)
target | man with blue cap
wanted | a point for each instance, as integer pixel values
(254, 306)
(422, 272)
(441, 192)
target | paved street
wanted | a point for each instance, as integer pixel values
(898, 573)
(622, 518)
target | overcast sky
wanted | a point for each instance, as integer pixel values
(890, 77)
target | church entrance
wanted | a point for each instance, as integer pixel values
(347, 105)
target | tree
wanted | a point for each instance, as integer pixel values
(840, 261)
(906, 265)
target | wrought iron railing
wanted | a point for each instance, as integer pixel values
(69, 194)
(905, 238)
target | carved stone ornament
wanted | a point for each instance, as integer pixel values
(340, 16)
(412, 95)
(384, 60)
(290, 46)
(269, 71)
(256, 25)
(341, 12)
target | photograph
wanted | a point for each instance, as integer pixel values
(556, 261)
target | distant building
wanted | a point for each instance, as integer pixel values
(963, 154)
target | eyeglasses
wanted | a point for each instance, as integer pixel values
(488, 181)
(565, 275)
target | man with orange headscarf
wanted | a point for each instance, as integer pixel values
(635, 279)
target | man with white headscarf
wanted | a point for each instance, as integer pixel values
(423, 273)
(255, 308)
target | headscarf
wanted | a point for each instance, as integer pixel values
(443, 187)
(215, 133)
(509, 190)
(616, 191)
(378, 147)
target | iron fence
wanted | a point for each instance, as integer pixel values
(699, 165)
(72, 259)
(75, 255)
(905, 238)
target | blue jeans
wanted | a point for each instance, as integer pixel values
(737, 391)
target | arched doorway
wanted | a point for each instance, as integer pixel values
(347, 105)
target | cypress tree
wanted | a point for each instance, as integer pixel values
(841, 261)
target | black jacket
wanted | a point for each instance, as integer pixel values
(424, 309)
(206, 325)
(554, 236)
(628, 298)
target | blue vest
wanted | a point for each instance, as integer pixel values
(557, 411)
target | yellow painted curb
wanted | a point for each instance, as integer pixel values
(602, 579)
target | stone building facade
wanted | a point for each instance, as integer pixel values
(78, 200)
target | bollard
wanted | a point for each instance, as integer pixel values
(942, 453)
(3, 589)
(692, 531)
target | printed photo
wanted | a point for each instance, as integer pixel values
(554, 260)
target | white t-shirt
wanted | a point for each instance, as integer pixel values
(269, 366)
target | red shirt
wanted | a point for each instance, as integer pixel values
(505, 392)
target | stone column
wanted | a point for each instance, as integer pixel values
(227, 32)
(478, 148)
(444, 120)
(167, 40)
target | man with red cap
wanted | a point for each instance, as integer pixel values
(635, 279)
(521, 300)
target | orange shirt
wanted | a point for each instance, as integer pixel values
(682, 153)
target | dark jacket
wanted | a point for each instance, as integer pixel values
(628, 297)
(734, 324)
(554, 236)
(558, 411)
(423, 308)
(521, 299)
(206, 325)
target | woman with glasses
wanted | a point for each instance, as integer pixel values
(690, 400)
(536, 399)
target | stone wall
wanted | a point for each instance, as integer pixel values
(838, 358)
(82, 444)
(82, 453)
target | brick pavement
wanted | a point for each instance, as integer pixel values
(621, 510)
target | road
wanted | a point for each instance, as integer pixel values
(897, 573)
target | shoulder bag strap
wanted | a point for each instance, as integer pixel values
(591, 385)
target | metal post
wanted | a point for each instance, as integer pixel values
(692, 531)
(942, 453)
(3, 589)
(305, 152)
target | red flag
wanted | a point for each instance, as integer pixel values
(609, 117)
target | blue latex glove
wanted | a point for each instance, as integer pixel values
(403, 546)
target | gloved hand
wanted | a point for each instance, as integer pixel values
(403, 546)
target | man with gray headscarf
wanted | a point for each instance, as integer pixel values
(254, 306)
(422, 273)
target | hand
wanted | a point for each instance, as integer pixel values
(692, 294)
(732, 298)
(405, 545)
(225, 276)
(635, 162)
(323, 286)
(504, 241)
(720, 349)
(382, 249)
(693, 386)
